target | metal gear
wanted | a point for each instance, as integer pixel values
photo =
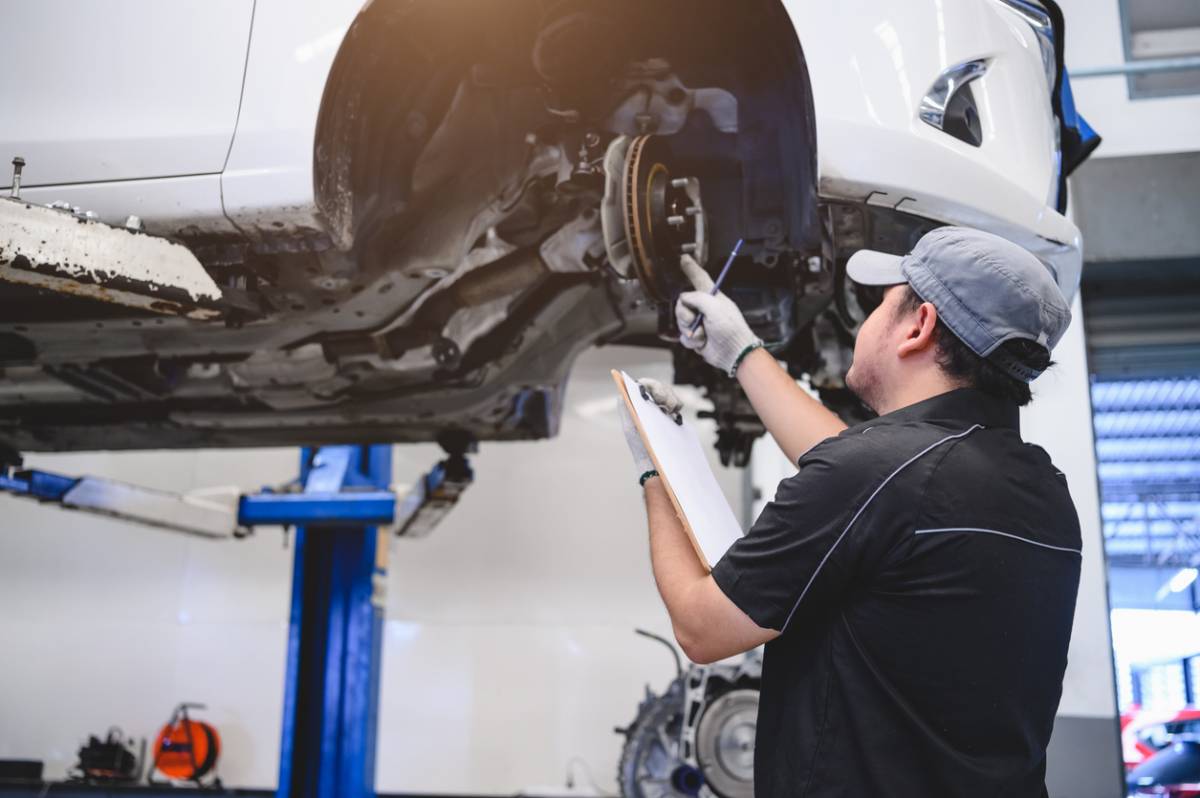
(651, 753)
(655, 762)
(725, 743)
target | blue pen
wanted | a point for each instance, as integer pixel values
(717, 285)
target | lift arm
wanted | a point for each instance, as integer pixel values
(330, 498)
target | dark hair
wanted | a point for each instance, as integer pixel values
(958, 362)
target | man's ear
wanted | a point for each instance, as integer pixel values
(920, 331)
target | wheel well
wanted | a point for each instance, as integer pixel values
(395, 77)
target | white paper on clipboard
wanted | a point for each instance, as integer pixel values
(683, 466)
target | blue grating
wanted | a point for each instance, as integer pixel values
(1126, 395)
(1148, 456)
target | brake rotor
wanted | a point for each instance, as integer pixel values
(725, 743)
(663, 218)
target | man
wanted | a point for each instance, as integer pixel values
(915, 581)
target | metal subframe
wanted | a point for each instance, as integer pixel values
(330, 707)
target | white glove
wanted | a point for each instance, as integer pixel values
(723, 338)
(662, 395)
(641, 458)
(667, 401)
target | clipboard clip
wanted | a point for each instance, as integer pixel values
(677, 417)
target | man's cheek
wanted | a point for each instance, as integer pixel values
(862, 341)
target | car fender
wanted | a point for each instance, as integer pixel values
(267, 185)
(872, 61)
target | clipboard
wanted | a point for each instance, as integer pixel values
(683, 467)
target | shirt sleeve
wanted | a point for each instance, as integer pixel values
(802, 550)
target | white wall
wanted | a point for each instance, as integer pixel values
(1129, 127)
(509, 646)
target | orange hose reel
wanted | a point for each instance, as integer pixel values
(185, 749)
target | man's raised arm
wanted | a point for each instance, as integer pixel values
(795, 420)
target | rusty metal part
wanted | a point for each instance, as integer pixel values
(663, 217)
(633, 227)
(60, 252)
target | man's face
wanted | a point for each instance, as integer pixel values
(875, 358)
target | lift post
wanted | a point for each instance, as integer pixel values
(330, 707)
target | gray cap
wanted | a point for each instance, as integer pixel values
(986, 289)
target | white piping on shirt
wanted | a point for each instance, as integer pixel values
(997, 532)
(870, 498)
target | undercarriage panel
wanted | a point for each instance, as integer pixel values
(479, 234)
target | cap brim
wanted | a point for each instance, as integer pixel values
(868, 267)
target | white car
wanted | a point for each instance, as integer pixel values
(406, 218)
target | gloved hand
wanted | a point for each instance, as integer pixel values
(669, 403)
(641, 458)
(723, 338)
(662, 395)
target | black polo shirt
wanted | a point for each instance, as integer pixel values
(922, 568)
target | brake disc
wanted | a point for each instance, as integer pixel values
(725, 743)
(661, 216)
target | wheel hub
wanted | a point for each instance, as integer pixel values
(662, 217)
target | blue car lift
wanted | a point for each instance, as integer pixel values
(342, 514)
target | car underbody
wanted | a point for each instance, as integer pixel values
(501, 190)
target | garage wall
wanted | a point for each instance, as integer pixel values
(509, 647)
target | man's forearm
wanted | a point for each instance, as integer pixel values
(676, 566)
(795, 420)
(706, 623)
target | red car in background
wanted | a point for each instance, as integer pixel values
(1144, 734)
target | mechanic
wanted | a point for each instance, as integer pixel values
(915, 581)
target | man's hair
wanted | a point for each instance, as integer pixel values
(959, 363)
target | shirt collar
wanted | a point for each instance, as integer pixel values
(964, 405)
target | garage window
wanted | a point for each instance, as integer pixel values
(1161, 29)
